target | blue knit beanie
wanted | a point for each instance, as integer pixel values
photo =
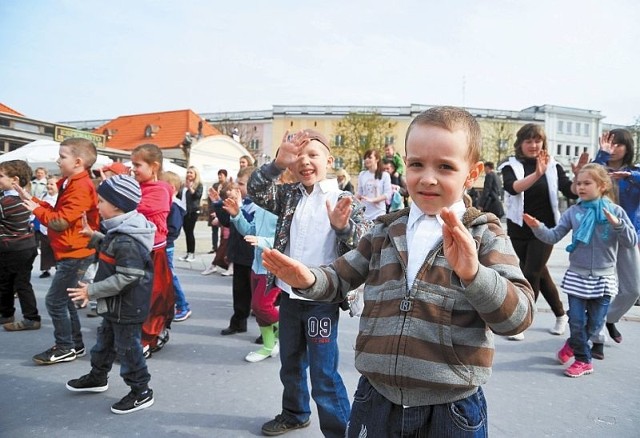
(123, 191)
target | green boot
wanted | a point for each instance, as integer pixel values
(269, 346)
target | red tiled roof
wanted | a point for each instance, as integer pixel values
(5, 109)
(165, 129)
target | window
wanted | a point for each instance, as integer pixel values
(569, 127)
(254, 144)
(577, 128)
(5, 122)
(585, 150)
(585, 129)
(560, 126)
(567, 151)
(339, 140)
(559, 150)
(388, 139)
(577, 151)
(363, 140)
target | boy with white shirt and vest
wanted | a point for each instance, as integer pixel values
(439, 279)
(316, 222)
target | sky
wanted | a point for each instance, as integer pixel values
(70, 60)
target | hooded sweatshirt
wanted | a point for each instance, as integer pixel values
(122, 285)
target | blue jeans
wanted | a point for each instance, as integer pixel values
(181, 300)
(586, 318)
(66, 325)
(374, 416)
(309, 339)
(124, 341)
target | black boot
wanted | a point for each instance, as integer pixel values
(614, 333)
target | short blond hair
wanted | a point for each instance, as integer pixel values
(173, 179)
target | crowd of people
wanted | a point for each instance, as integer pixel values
(429, 266)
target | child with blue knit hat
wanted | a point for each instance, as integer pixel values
(122, 288)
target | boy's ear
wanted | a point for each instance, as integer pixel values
(330, 161)
(474, 173)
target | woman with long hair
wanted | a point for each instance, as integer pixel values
(191, 195)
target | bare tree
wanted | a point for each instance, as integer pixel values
(230, 127)
(497, 139)
(358, 132)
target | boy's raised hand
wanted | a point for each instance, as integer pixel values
(290, 149)
(24, 195)
(459, 247)
(213, 194)
(612, 218)
(606, 142)
(80, 293)
(291, 271)
(531, 221)
(231, 206)
(340, 214)
(86, 229)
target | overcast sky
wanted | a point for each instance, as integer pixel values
(81, 60)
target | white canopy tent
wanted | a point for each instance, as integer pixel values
(45, 153)
(213, 153)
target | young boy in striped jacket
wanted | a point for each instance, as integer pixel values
(440, 278)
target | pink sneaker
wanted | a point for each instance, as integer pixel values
(578, 369)
(565, 353)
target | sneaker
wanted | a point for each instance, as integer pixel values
(597, 351)
(578, 369)
(262, 354)
(163, 338)
(565, 353)
(26, 324)
(133, 402)
(146, 352)
(518, 337)
(55, 354)
(281, 425)
(212, 269)
(561, 325)
(184, 258)
(614, 333)
(88, 383)
(6, 319)
(80, 351)
(228, 272)
(190, 258)
(181, 315)
(44, 274)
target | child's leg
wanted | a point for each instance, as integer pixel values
(133, 367)
(241, 285)
(578, 341)
(596, 315)
(472, 418)
(103, 353)
(23, 264)
(263, 301)
(628, 278)
(327, 387)
(372, 414)
(66, 325)
(181, 300)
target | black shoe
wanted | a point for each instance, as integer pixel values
(88, 383)
(55, 354)
(597, 351)
(80, 351)
(614, 333)
(281, 425)
(45, 274)
(213, 251)
(133, 402)
(258, 340)
(232, 331)
(163, 338)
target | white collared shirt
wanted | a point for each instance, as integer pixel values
(423, 233)
(312, 240)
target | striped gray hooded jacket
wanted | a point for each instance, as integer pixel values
(432, 343)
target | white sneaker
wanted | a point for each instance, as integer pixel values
(262, 354)
(228, 272)
(190, 258)
(210, 270)
(561, 325)
(184, 257)
(518, 337)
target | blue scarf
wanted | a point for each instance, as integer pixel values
(592, 217)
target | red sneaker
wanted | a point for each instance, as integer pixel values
(578, 369)
(565, 353)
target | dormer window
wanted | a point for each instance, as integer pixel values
(109, 133)
(151, 131)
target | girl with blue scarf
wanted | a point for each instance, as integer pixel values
(599, 226)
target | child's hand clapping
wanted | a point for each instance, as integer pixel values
(213, 194)
(231, 206)
(86, 229)
(613, 219)
(291, 271)
(340, 214)
(290, 149)
(531, 221)
(459, 247)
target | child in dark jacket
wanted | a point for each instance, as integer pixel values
(175, 221)
(122, 287)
